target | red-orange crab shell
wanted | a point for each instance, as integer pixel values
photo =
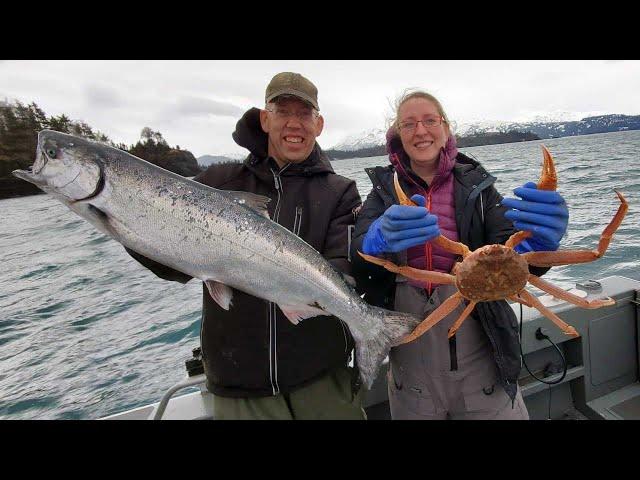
(492, 272)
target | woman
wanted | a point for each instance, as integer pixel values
(474, 374)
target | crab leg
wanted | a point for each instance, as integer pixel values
(569, 297)
(410, 272)
(517, 237)
(516, 298)
(567, 329)
(463, 316)
(570, 257)
(442, 241)
(548, 179)
(448, 306)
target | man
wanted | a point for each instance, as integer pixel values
(257, 363)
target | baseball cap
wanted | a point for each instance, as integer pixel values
(289, 83)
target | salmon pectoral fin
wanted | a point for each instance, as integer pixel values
(295, 313)
(221, 293)
(251, 200)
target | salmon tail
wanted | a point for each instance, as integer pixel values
(373, 349)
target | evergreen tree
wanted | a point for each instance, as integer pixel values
(61, 123)
(19, 127)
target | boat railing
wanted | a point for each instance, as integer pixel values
(157, 412)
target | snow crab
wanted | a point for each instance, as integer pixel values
(496, 272)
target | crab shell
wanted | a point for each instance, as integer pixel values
(492, 272)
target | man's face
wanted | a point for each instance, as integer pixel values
(292, 126)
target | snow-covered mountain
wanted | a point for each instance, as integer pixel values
(557, 124)
(358, 141)
(476, 127)
(554, 129)
(377, 136)
(206, 160)
(561, 124)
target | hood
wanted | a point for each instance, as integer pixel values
(400, 160)
(249, 134)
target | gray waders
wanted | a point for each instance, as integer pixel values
(432, 378)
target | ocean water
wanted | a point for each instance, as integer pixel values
(85, 331)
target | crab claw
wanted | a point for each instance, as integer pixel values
(548, 179)
(402, 197)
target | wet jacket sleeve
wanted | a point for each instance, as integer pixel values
(497, 228)
(336, 244)
(162, 271)
(159, 269)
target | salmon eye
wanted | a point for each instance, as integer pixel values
(51, 152)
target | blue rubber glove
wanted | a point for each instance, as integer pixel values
(401, 227)
(543, 212)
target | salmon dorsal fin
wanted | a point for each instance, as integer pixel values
(251, 200)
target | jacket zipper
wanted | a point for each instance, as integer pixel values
(297, 221)
(273, 344)
(453, 357)
(273, 364)
(428, 244)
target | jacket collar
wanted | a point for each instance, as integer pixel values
(400, 160)
(467, 172)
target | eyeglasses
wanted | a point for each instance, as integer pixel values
(304, 115)
(411, 125)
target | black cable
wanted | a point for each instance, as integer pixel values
(546, 337)
(564, 363)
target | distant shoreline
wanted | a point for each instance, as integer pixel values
(477, 140)
(12, 187)
(384, 153)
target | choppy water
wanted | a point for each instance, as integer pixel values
(85, 331)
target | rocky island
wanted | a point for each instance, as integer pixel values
(19, 127)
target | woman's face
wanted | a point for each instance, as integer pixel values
(422, 131)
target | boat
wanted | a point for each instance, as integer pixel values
(590, 377)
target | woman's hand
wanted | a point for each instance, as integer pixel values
(401, 227)
(542, 212)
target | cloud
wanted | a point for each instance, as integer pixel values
(196, 104)
(193, 106)
(200, 134)
(102, 97)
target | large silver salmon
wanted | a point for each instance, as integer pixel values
(224, 238)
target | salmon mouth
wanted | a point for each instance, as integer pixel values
(39, 164)
(32, 173)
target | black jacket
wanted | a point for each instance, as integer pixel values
(252, 349)
(480, 221)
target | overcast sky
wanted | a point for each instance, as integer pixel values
(195, 104)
